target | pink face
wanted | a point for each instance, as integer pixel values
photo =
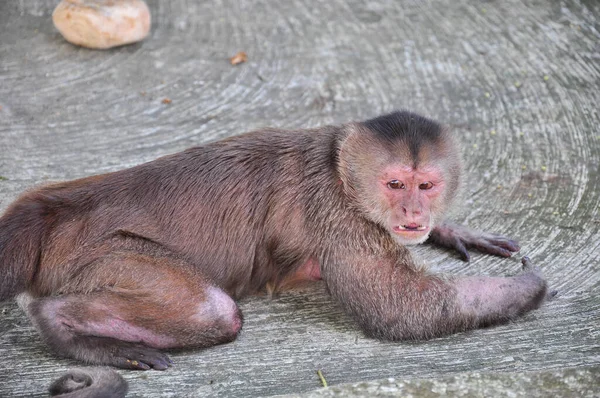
(410, 194)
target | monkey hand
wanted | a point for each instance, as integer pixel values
(461, 238)
(495, 300)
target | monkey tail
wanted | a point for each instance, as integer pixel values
(89, 383)
(22, 228)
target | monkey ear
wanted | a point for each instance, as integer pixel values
(452, 163)
(349, 156)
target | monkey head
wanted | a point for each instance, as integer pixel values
(401, 171)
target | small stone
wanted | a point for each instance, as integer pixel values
(102, 24)
(238, 58)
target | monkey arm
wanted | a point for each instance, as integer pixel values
(393, 300)
(462, 238)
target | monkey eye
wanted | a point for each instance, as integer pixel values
(395, 184)
(426, 185)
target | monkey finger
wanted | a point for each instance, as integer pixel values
(488, 248)
(461, 249)
(505, 243)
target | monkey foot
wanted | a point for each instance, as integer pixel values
(139, 357)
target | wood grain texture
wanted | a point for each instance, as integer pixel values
(519, 80)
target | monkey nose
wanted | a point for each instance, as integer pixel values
(414, 212)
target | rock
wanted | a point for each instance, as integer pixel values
(102, 24)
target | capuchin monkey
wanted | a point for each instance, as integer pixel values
(117, 268)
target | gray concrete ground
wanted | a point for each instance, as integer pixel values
(519, 80)
(566, 382)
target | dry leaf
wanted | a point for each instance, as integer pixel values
(166, 101)
(238, 58)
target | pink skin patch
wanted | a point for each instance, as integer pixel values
(218, 307)
(409, 193)
(497, 296)
(111, 326)
(308, 271)
(124, 331)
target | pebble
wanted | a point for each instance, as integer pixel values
(102, 24)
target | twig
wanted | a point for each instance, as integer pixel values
(323, 381)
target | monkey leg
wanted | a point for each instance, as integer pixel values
(136, 305)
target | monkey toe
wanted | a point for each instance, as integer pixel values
(138, 357)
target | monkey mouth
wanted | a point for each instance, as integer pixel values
(412, 227)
